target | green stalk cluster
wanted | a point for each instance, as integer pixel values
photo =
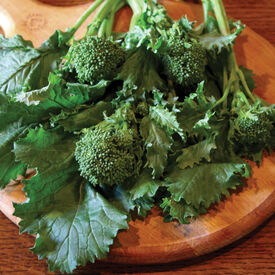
(251, 120)
(233, 76)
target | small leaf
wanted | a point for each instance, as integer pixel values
(140, 72)
(180, 211)
(88, 117)
(144, 185)
(194, 154)
(157, 144)
(166, 119)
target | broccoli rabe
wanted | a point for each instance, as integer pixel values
(109, 153)
(252, 126)
(183, 58)
(252, 121)
(97, 56)
(185, 62)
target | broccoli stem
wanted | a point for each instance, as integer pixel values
(100, 16)
(102, 28)
(137, 8)
(235, 73)
(116, 7)
(85, 15)
(206, 9)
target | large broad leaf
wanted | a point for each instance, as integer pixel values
(10, 168)
(157, 143)
(206, 183)
(42, 149)
(25, 68)
(55, 165)
(74, 226)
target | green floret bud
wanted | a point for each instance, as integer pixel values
(253, 127)
(95, 58)
(143, 108)
(185, 62)
(108, 153)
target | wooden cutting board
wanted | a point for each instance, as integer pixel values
(151, 240)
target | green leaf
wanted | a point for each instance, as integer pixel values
(215, 41)
(248, 74)
(89, 93)
(194, 109)
(194, 154)
(140, 72)
(157, 144)
(58, 94)
(136, 192)
(77, 226)
(144, 185)
(79, 119)
(9, 168)
(24, 68)
(42, 149)
(181, 211)
(11, 112)
(206, 183)
(166, 119)
(144, 205)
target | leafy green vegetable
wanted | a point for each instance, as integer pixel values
(157, 144)
(119, 122)
(84, 117)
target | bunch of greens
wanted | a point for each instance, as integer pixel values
(159, 116)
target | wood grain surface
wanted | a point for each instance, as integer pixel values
(254, 254)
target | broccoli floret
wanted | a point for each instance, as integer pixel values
(110, 152)
(143, 108)
(95, 58)
(253, 127)
(185, 62)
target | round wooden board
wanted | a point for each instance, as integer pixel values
(151, 240)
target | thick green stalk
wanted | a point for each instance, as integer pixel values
(137, 8)
(102, 29)
(221, 17)
(224, 28)
(116, 7)
(206, 9)
(85, 15)
(99, 17)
